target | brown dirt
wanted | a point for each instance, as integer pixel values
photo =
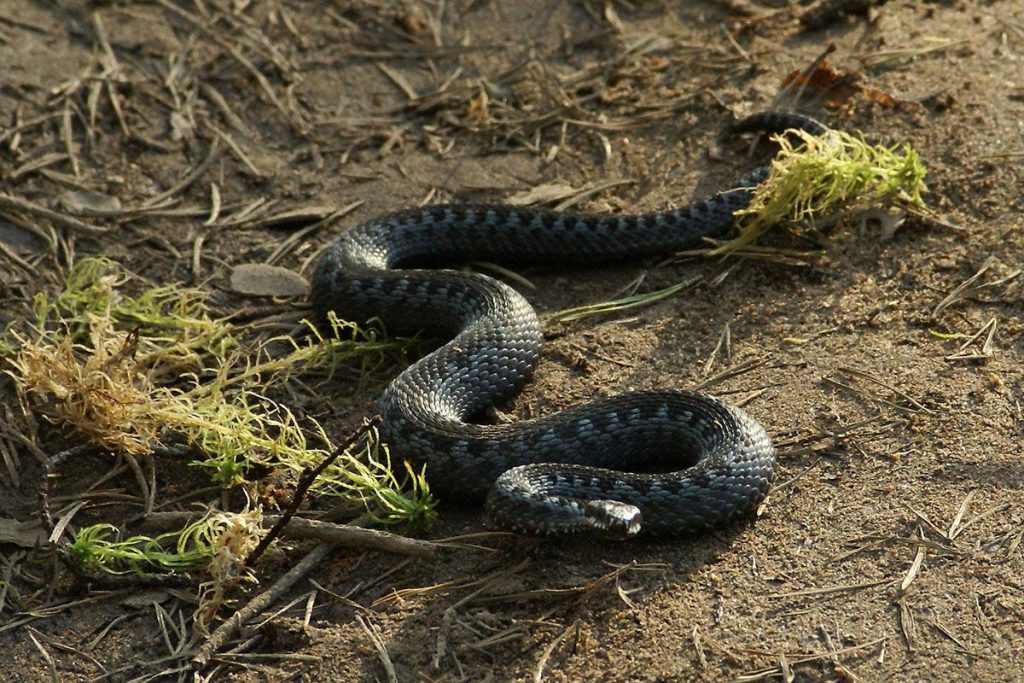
(890, 548)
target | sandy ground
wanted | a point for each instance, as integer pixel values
(890, 547)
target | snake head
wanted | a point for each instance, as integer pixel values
(612, 519)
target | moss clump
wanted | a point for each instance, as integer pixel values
(127, 371)
(819, 178)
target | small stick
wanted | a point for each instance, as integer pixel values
(729, 373)
(538, 673)
(68, 136)
(804, 80)
(45, 485)
(306, 480)
(382, 650)
(62, 546)
(22, 263)
(215, 151)
(234, 624)
(234, 52)
(237, 151)
(354, 536)
(18, 204)
(214, 96)
(348, 535)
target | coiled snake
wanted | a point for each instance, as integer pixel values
(701, 461)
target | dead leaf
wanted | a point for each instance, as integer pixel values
(833, 88)
(261, 279)
(145, 598)
(88, 203)
(477, 111)
(181, 127)
(542, 194)
(293, 217)
(23, 534)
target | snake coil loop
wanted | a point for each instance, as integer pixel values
(658, 462)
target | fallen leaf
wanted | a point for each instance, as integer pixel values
(293, 217)
(23, 534)
(260, 279)
(87, 202)
(542, 194)
(145, 598)
(833, 88)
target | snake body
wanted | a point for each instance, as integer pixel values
(661, 462)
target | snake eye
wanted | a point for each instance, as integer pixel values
(614, 520)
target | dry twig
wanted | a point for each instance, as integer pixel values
(230, 628)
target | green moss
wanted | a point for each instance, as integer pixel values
(823, 177)
(128, 370)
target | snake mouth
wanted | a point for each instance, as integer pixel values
(614, 520)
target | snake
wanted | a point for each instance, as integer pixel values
(663, 462)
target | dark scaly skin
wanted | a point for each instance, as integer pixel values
(568, 472)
